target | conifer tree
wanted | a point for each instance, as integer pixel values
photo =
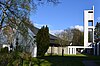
(97, 32)
(42, 40)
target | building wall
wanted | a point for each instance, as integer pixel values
(5, 45)
(0, 45)
(88, 17)
(57, 50)
(97, 49)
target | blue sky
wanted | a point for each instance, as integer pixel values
(68, 13)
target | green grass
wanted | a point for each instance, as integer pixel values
(82, 55)
(66, 60)
(98, 63)
(69, 60)
(37, 62)
(92, 57)
(63, 61)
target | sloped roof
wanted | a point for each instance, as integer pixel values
(52, 37)
(37, 29)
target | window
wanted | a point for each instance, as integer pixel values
(90, 23)
(90, 35)
(90, 11)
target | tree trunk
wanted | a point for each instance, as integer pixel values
(62, 51)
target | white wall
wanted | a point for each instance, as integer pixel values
(57, 50)
(5, 45)
(88, 16)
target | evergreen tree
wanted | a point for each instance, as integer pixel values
(42, 40)
(97, 32)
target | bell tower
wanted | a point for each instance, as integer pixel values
(88, 27)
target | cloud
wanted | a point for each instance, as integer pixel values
(77, 27)
(53, 32)
(50, 31)
(98, 18)
(40, 25)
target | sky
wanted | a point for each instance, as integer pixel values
(67, 14)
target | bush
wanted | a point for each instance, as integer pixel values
(26, 63)
(9, 64)
(4, 50)
(6, 59)
(16, 62)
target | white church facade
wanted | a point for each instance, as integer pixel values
(88, 44)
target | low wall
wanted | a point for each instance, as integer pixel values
(97, 49)
(57, 50)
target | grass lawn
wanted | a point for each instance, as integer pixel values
(67, 60)
(63, 61)
(98, 63)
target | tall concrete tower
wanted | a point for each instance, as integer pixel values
(88, 27)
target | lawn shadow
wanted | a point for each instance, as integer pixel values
(69, 60)
(56, 60)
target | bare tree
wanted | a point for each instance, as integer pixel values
(64, 38)
(73, 36)
(15, 14)
(78, 37)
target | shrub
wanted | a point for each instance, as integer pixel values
(4, 50)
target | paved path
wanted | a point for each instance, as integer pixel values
(89, 63)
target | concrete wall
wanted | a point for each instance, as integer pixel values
(88, 17)
(97, 49)
(5, 45)
(57, 50)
